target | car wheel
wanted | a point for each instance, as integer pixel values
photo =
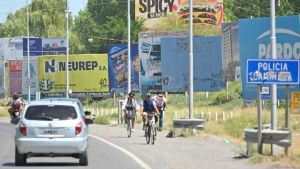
(83, 159)
(20, 159)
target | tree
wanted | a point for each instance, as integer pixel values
(105, 21)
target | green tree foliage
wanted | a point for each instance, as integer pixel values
(237, 9)
(105, 21)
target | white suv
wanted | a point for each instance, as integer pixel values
(52, 128)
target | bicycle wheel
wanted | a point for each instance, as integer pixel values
(129, 127)
(153, 134)
(148, 133)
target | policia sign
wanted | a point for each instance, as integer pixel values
(88, 74)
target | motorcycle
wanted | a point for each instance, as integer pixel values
(15, 115)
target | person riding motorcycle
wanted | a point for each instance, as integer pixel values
(130, 103)
(15, 104)
(149, 107)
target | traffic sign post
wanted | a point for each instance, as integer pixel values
(273, 72)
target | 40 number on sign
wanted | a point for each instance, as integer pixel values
(103, 82)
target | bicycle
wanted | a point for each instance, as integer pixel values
(130, 115)
(151, 129)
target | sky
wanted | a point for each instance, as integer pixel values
(8, 6)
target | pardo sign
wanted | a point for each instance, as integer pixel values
(285, 50)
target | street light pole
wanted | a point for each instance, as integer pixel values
(67, 62)
(28, 54)
(274, 56)
(129, 48)
(191, 77)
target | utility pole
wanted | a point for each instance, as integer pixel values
(28, 54)
(67, 12)
(191, 77)
(129, 48)
(273, 86)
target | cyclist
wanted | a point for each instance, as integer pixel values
(160, 102)
(15, 104)
(148, 106)
(130, 102)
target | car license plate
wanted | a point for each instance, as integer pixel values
(50, 132)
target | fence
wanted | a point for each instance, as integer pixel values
(209, 116)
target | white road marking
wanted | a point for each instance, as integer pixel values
(128, 153)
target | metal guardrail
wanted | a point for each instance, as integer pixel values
(282, 138)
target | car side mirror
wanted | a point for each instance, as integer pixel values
(87, 113)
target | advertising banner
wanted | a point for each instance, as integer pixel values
(35, 47)
(207, 64)
(54, 46)
(150, 59)
(154, 12)
(118, 68)
(33, 77)
(15, 76)
(45, 46)
(254, 35)
(295, 102)
(230, 50)
(88, 73)
(11, 48)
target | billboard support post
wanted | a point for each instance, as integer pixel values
(287, 104)
(259, 120)
(28, 52)
(128, 48)
(67, 62)
(191, 66)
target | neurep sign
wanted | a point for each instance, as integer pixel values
(255, 44)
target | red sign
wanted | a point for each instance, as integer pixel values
(15, 65)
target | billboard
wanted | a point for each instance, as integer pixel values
(54, 46)
(254, 35)
(15, 76)
(150, 59)
(44, 46)
(11, 48)
(154, 12)
(208, 74)
(33, 77)
(87, 73)
(230, 50)
(118, 68)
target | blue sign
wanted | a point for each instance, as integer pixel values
(35, 47)
(118, 70)
(262, 71)
(265, 92)
(254, 37)
(44, 46)
(208, 74)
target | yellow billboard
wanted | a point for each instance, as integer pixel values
(87, 73)
(295, 102)
(205, 12)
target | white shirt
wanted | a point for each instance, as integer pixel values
(134, 103)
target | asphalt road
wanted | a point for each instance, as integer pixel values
(110, 148)
(100, 154)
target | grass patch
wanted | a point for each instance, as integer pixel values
(102, 121)
(256, 159)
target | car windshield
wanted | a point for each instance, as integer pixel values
(49, 113)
